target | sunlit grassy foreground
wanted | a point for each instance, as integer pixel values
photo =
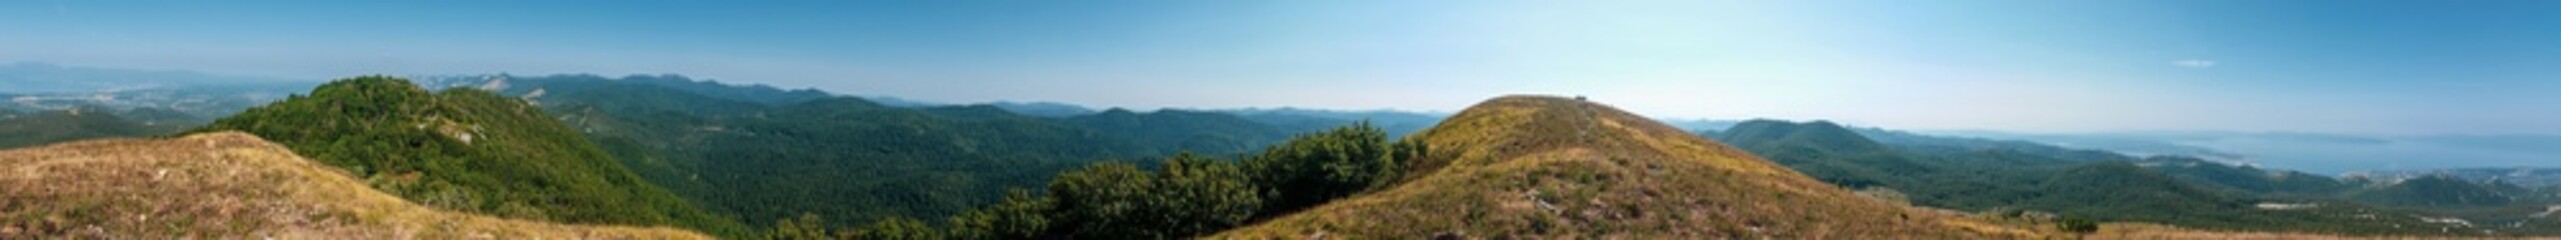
(229, 185)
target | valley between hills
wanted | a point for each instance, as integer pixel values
(664, 157)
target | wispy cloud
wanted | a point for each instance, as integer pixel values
(2193, 63)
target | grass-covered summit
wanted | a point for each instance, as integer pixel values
(468, 150)
(1541, 167)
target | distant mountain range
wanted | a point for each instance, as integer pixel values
(2318, 152)
(720, 157)
(1040, 109)
(2521, 176)
(197, 97)
(726, 146)
(1397, 123)
(666, 150)
(1986, 175)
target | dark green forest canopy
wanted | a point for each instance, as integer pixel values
(55, 126)
(598, 151)
(752, 159)
(468, 150)
(1185, 196)
(755, 157)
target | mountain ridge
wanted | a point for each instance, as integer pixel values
(468, 150)
(1523, 165)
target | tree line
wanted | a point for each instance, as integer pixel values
(1186, 195)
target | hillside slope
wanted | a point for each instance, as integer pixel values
(228, 185)
(747, 158)
(1173, 130)
(1828, 152)
(1545, 166)
(2438, 191)
(73, 124)
(2006, 179)
(469, 150)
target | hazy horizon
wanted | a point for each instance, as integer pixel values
(2360, 67)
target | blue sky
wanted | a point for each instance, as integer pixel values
(2391, 67)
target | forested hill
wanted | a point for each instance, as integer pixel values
(1512, 167)
(1396, 123)
(2017, 179)
(754, 157)
(469, 150)
(1820, 135)
(76, 123)
(1172, 131)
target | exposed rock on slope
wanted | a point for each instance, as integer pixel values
(229, 185)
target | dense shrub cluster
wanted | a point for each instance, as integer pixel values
(1186, 195)
(468, 150)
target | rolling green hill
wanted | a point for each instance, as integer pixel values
(2120, 191)
(74, 124)
(467, 150)
(1173, 130)
(1512, 167)
(2246, 179)
(1816, 135)
(752, 156)
(879, 161)
(754, 160)
(2008, 178)
(2438, 191)
(1825, 151)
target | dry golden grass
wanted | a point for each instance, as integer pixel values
(229, 185)
(1547, 167)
